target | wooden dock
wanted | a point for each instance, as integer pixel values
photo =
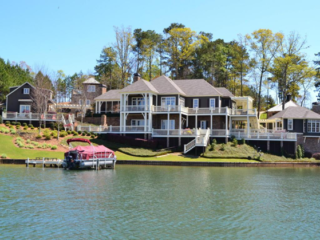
(44, 162)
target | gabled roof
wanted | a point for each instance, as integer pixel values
(91, 80)
(197, 87)
(110, 95)
(165, 85)
(140, 86)
(278, 107)
(225, 92)
(296, 112)
(20, 87)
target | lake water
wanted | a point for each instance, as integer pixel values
(158, 202)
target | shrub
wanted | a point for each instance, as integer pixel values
(3, 155)
(30, 125)
(28, 141)
(7, 123)
(25, 127)
(83, 134)
(19, 124)
(30, 147)
(234, 142)
(38, 137)
(39, 146)
(75, 134)
(42, 125)
(299, 152)
(79, 132)
(18, 127)
(88, 134)
(55, 135)
(21, 145)
(13, 131)
(223, 147)
(44, 145)
(48, 146)
(54, 147)
(34, 143)
(47, 137)
(69, 132)
(24, 124)
(13, 123)
(52, 125)
(1, 120)
(242, 141)
(5, 130)
(62, 134)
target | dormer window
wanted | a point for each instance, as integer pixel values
(26, 91)
(91, 88)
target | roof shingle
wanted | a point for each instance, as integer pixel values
(296, 113)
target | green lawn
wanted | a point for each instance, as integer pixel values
(7, 147)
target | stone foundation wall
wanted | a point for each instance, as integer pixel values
(311, 145)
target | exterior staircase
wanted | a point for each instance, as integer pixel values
(201, 140)
(68, 124)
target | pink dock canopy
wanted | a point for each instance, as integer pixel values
(87, 152)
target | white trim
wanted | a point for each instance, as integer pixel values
(25, 100)
(175, 101)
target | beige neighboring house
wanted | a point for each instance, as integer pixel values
(84, 97)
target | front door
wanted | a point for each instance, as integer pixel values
(203, 124)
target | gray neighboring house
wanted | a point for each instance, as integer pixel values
(19, 99)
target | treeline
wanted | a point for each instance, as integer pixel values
(250, 65)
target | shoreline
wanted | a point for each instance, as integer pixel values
(195, 164)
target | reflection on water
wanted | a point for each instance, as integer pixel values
(143, 202)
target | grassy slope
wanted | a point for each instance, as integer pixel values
(243, 151)
(12, 151)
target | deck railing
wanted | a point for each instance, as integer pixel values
(32, 116)
(243, 111)
(135, 108)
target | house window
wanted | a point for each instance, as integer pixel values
(313, 126)
(137, 122)
(168, 101)
(195, 103)
(24, 108)
(88, 102)
(212, 103)
(182, 102)
(91, 88)
(26, 91)
(138, 101)
(290, 124)
(164, 124)
(203, 124)
(80, 101)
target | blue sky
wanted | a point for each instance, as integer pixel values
(70, 35)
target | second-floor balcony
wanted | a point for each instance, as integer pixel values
(189, 111)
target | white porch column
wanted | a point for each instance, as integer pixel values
(188, 121)
(100, 106)
(96, 107)
(179, 128)
(226, 124)
(121, 117)
(168, 120)
(211, 124)
(196, 119)
(248, 126)
(150, 113)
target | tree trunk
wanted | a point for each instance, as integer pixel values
(259, 95)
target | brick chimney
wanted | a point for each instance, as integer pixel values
(136, 77)
(103, 89)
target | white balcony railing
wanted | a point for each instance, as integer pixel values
(135, 108)
(32, 116)
(262, 134)
(243, 111)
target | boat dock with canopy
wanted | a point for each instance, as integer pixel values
(88, 157)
